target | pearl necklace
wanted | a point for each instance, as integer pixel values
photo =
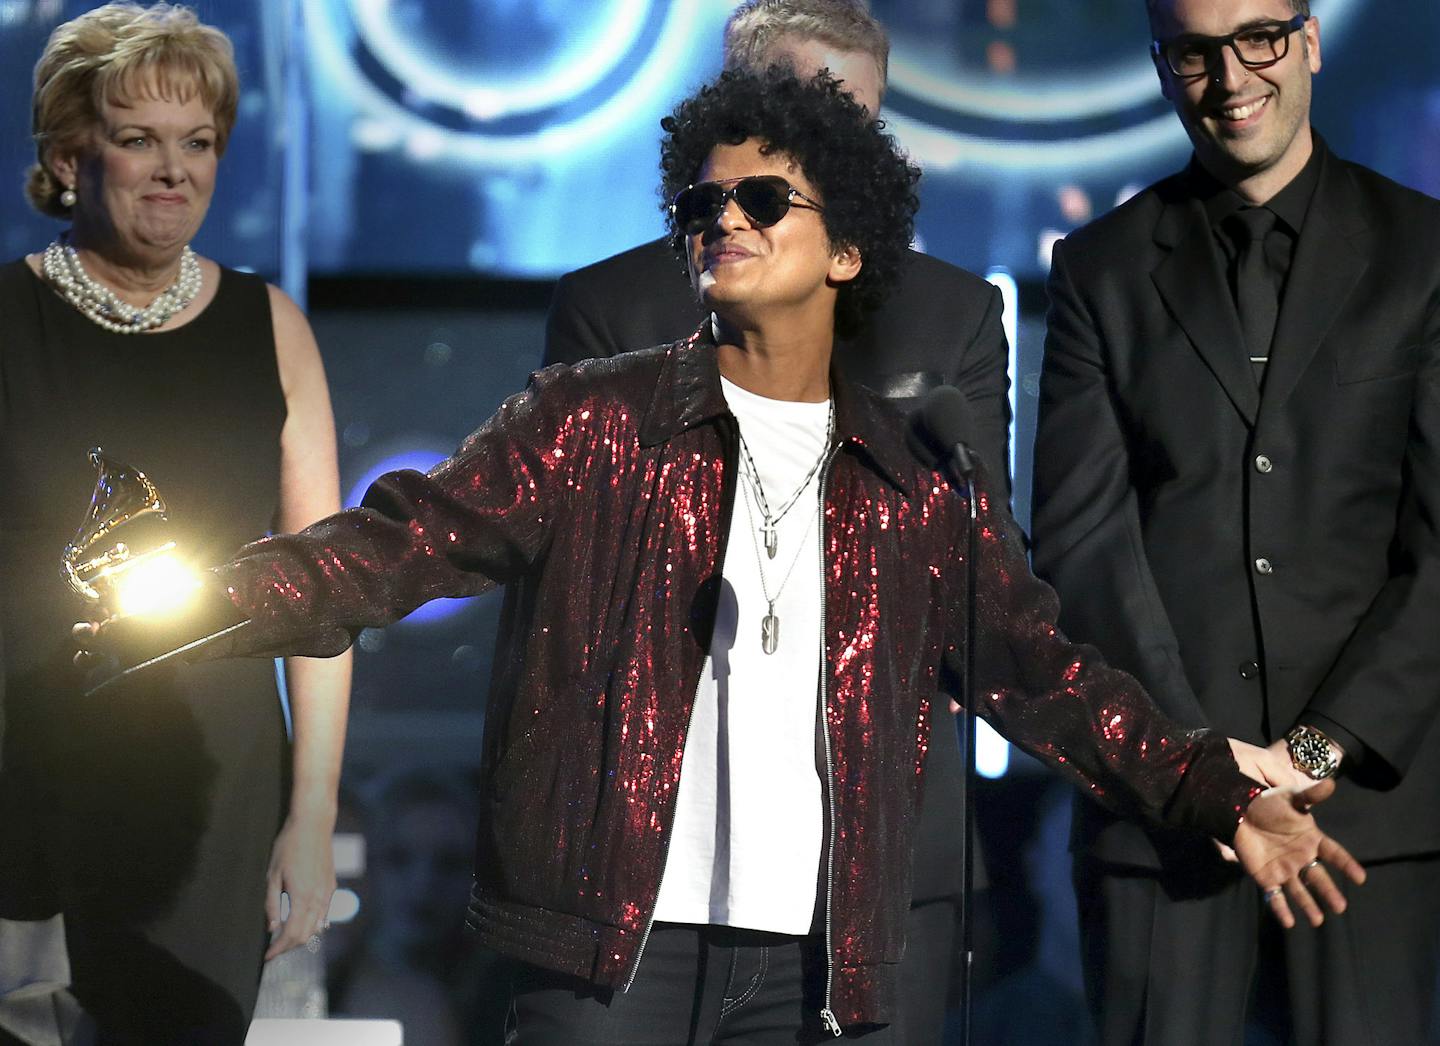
(61, 265)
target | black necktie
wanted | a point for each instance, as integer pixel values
(1256, 297)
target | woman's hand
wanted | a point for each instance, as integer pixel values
(1292, 860)
(302, 867)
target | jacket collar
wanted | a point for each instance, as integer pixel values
(688, 393)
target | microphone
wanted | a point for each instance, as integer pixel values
(939, 430)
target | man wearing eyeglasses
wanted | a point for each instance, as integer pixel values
(1237, 496)
(941, 324)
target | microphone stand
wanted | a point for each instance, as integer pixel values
(962, 462)
(940, 424)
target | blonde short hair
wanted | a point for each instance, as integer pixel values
(116, 53)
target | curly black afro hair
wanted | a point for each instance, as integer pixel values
(865, 182)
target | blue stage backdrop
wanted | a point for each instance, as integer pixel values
(518, 137)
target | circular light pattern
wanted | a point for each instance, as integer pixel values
(625, 55)
(588, 52)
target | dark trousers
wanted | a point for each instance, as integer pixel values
(1170, 962)
(929, 968)
(697, 985)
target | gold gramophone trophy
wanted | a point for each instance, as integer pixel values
(122, 559)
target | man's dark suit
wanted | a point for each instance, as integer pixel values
(1252, 559)
(941, 325)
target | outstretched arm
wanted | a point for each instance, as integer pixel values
(1061, 702)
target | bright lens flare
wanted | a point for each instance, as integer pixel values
(160, 585)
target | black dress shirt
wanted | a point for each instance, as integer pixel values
(1290, 206)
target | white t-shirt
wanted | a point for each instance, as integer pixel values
(749, 820)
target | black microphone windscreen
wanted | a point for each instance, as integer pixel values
(945, 413)
(940, 427)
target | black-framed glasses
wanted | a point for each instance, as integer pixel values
(1257, 46)
(765, 199)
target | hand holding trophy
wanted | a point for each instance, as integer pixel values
(142, 592)
(122, 559)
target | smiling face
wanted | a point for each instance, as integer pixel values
(145, 177)
(751, 276)
(1247, 125)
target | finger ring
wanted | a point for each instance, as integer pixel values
(1272, 893)
(1313, 864)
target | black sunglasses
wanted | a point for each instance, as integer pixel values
(1257, 47)
(765, 199)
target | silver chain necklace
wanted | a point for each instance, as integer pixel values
(62, 268)
(770, 520)
(770, 623)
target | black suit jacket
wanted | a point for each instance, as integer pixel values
(1257, 560)
(941, 325)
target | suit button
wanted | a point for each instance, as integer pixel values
(1264, 566)
(1249, 670)
(1263, 464)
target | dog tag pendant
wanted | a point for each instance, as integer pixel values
(772, 540)
(770, 631)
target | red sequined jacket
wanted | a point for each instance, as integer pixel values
(601, 496)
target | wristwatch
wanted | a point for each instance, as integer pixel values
(1312, 753)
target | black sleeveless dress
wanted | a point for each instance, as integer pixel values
(145, 814)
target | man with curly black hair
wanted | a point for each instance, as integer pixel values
(733, 591)
(869, 187)
(938, 325)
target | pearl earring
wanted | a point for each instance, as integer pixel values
(68, 198)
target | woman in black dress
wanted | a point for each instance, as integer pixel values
(164, 821)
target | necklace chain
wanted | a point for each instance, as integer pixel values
(62, 267)
(770, 521)
(770, 623)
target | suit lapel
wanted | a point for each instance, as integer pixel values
(1192, 285)
(1326, 267)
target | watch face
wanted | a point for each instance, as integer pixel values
(1310, 750)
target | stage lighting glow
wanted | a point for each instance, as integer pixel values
(335, 27)
(156, 585)
(344, 906)
(421, 459)
(939, 149)
(1028, 100)
(584, 62)
(992, 752)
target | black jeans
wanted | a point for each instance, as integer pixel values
(697, 986)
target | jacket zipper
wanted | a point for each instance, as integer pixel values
(732, 459)
(665, 853)
(827, 1014)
